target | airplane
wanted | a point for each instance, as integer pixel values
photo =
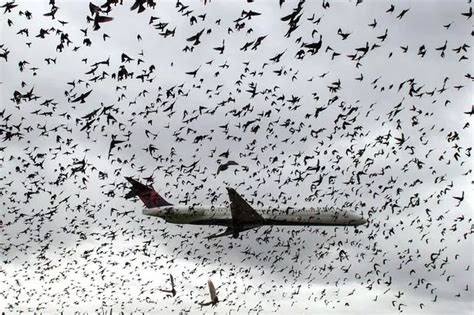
(239, 216)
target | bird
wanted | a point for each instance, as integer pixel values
(196, 38)
(471, 112)
(466, 14)
(212, 292)
(224, 166)
(172, 291)
(220, 49)
(402, 14)
(9, 6)
(459, 199)
(81, 98)
(113, 144)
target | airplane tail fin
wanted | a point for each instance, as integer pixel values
(147, 194)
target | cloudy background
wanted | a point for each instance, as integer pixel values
(384, 133)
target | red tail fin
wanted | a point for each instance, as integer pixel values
(147, 194)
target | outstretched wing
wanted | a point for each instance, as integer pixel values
(212, 291)
(242, 213)
(172, 281)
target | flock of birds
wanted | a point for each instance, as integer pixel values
(293, 102)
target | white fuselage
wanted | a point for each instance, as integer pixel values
(221, 215)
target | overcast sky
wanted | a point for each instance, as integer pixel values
(376, 121)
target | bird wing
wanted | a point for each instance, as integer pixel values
(93, 8)
(212, 291)
(86, 94)
(102, 19)
(81, 97)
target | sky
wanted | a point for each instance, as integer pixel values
(361, 105)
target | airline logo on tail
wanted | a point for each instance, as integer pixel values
(147, 194)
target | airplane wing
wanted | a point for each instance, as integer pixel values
(242, 213)
(244, 217)
(228, 231)
(232, 231)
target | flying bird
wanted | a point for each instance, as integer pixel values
(225, 166)
(212, 292)
(82, 97)
(172, 291)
